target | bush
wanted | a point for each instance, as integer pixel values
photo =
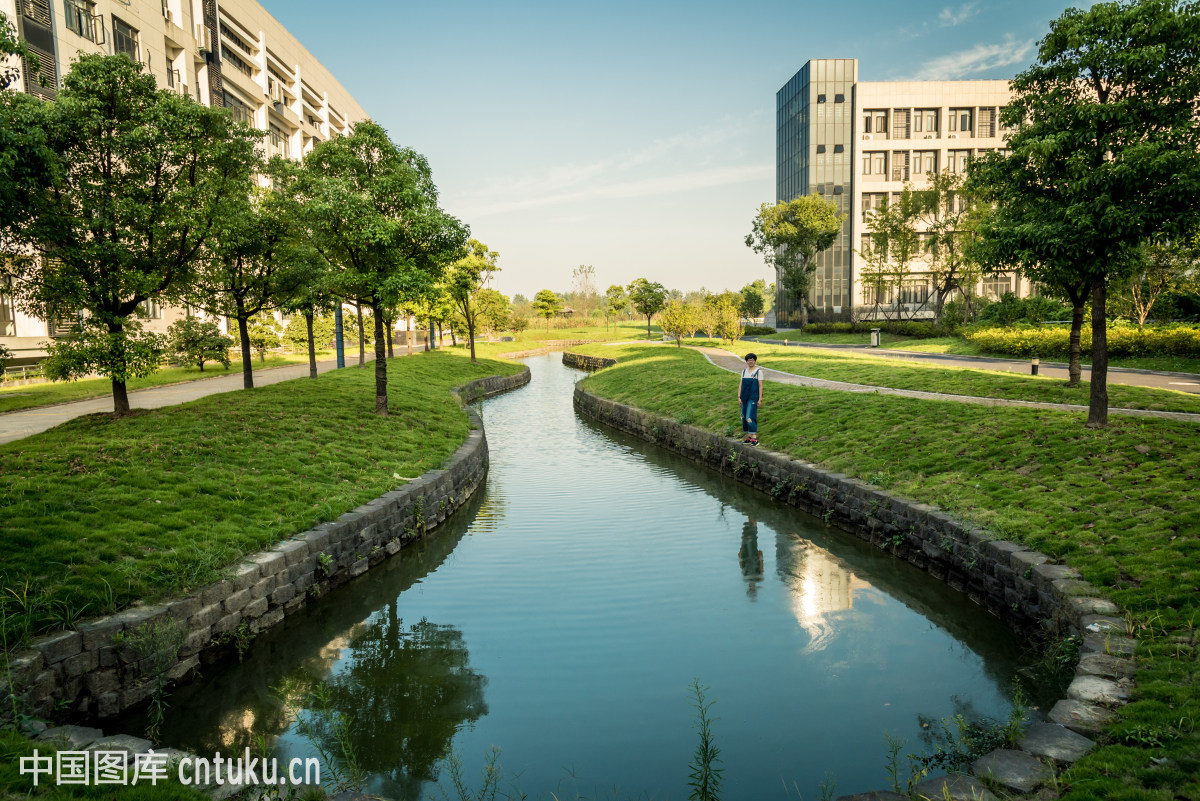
(193, 341)
(1124, 340)
(1010, 310)
(758, 330)
(296, 333)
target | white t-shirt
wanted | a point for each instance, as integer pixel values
(756, 374)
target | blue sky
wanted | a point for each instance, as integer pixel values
(638, 137)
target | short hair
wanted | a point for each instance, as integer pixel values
(750, 356)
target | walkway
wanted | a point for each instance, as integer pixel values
(1157, 379)
(24, 423)
(734, 363)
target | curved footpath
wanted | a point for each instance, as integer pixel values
(734, 363)
(92, 669)
(1131, 376)
(1020, 586)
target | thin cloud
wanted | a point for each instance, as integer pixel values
(980, 58)
(949, 17)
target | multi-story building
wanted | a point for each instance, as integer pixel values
(228, 53)
(857, 144)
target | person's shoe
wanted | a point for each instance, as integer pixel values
(747, 439)
(752, 442)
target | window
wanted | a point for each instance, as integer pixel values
(236, 61)
(923, 162)
(987, 123)
(875, 122)
(875, 164)
(914, 292)
(871, 203)
(241, 111)
(820, 148)
(839, 148)
(901, 119)
(839, 98)
(150, 309)
(956, 161)
(900, 165)
(125, 40)
(925, 122)
(79, 16)
(279, 141)
(237, 40)
(994, 287)
(960, 120)
(820, 98)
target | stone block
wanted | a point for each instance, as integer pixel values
(98, 632)
(1080, 717)
(182, 609)
(81, 663)
(1062, 589)
(271, 618)
(1103, 624)
(75, 738)
(317, 540)
(1078, 606)
(1044, 575)
(270, 562)
(244, 574)
(954, 788)
(227, 623)
(44, 684)
(183, 668)
(263, 588)
(1000, 550)
(1055, 741)
(1015, 770)
(57, 647)
(125, 743)
(207, 616)
(25, 666)
(1023, 562)
(359, 567)
(293, 551)
(1094, 643)
(255, 608)
(1106, 666)
(135, 695)
(294, 605)
(1097, 690)
(215, 593)
(237, 601)
(196, 641)
(282, 595)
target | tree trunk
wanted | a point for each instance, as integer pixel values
(408, 332)
(120, 398)
(312, 346)
(803, 313)
(1074, 367)
(390, 337)
(381, 399)
(648, 326)
(244, 336)
(1098, 401)
(471, 331)
(362, 336)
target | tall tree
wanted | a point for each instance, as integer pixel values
(583, 281)
(1165, 266)
(547, 304)
(789, 235)
(136, 187)
(371, 210)
(1106, 151)
(678, 319)
(944, 206)
(256, 260)
(12, 48)
(615, 302)
(467, 277)
(893, 246)
(648, 297)
(752, 299)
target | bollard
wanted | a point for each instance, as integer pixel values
(874, 337)
(1033, 366)
(785, 343)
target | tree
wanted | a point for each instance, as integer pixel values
(752, 301)
(678, 319)
(493, 310)
(725, 317)
(467, 276)
(547, 304)
(134, 191)
(648, 297)
(11, 46)
(1164, 267)
(944, 206)
(789, 235)
(256, 260)
(1105, 154)
(615, 302)
(195, 341)
(583, 281)
(371, 210)
(893, 245)
(263, 331)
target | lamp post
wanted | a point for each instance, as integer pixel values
(337, 335)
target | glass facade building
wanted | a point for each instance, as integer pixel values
(815, 113)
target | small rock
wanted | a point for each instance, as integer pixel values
(1095, 690)
(1080, 717)
(955, 788)
(76, 737)
(1015, 770)
(1055, 742)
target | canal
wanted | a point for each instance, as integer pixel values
(563, 613)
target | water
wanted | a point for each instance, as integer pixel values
(562, 615)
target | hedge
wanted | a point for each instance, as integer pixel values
(1123, 340)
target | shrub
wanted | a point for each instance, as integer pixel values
(758, 330)
(1123, 340)
(193, 341)
(296, 333)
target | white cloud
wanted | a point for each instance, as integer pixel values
(980, 58)
(949, 17)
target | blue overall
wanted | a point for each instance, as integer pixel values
(749, 395)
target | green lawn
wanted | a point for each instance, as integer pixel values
(14, 398)
(100, 512)
(876, 370)
(1119, 504)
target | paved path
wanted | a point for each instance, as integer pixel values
(734, 363)
(15, 425)
(1181, 382)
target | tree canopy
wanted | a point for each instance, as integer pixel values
(789, 235)
(648, 297)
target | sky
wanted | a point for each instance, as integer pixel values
(636, 137)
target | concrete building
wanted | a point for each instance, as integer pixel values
(857, 143)
(226, 53)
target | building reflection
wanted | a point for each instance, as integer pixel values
(820, 588)
(750, 558)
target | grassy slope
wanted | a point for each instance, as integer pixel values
(98, 513)
(856, 367)
(14, 398)
(1119, 504)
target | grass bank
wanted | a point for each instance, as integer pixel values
(98, 513)
(30, 396)
(1118, 504)
(876, 370)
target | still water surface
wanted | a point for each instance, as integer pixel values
(562, 614)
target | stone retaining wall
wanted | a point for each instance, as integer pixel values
(589, 363)
(109, 665)
(1020, 586)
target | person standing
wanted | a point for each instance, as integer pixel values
(750, 390)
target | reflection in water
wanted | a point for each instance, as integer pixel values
(820, 586)
(750, 558)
